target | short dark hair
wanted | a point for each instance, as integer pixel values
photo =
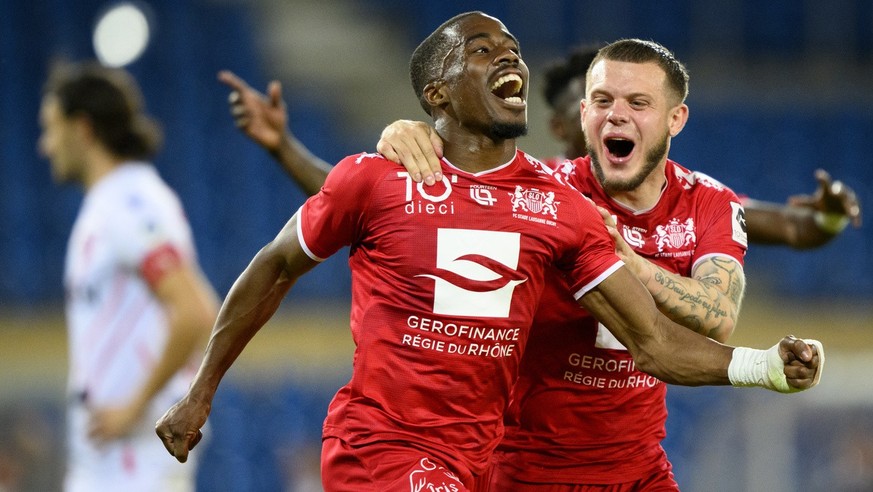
(425, 65)
(643, 51)
(111, 99)
(559, 74)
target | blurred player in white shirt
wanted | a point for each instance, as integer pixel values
(138, 305)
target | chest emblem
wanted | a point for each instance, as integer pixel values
(675, 234)
(534, 201)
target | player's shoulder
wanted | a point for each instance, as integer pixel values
(141, 195)
(366, 159)
(699, 182)
(553, 177)
(364, 165)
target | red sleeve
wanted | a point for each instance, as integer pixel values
(331, 219)
(724, 231)
(158, 262)
(594, 250)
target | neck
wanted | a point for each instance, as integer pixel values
(646, 195)
(99, 164)
(474, 152)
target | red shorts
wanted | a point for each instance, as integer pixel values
(385, 467)
(659, 481)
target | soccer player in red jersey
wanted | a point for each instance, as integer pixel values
(805, 221)
(446, 281)
(582, 416)
(264, 119)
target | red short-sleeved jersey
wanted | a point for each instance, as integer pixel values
(581, 412)
(445, 284)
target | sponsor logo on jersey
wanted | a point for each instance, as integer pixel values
(476, 272)
(482, 195)
(422, 480)
(675, 234)
(738, 224)
(633, 237)
(433, 200)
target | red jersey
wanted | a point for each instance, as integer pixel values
(445, 284)
(581, 413)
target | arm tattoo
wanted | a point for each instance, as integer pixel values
(708, 303)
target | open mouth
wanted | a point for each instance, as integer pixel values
(508, 88)
(619, 147)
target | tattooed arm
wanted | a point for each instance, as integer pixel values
(707, 302)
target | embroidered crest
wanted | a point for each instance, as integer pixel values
(675, 234)
(534, 201)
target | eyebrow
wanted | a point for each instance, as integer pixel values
(485, 35)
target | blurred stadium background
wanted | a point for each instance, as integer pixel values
(778, 89)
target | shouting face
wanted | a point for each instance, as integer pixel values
(629, 117)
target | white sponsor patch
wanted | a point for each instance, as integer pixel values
(738, 224)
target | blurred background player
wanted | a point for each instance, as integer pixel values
(138, 306)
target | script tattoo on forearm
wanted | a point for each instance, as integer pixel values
(707, 304)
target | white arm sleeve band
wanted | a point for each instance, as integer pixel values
(764, 368)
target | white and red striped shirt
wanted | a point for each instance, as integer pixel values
(129, 231)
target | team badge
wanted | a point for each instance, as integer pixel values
(675, 234)
(534, 201)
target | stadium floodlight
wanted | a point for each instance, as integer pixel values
(121, 34)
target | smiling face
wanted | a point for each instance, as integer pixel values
(629, 117)
(485, 79)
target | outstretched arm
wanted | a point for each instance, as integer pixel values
(679, 356)
(806, 221)
(708, 302)
(252, 300)
(264, 120)
(191, 305)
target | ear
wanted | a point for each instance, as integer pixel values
(678, 118)
(82, 126)
(436, 93)
(583, 105)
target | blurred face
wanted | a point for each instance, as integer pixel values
(629, 117)
(487, 79)
(60, 142)
(565, 122)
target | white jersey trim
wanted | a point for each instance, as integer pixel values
(300, 238)
(600, 278)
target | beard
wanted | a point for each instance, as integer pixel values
(506, 131)
(653, 158)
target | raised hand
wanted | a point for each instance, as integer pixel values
(263, 118)
(833, 198)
